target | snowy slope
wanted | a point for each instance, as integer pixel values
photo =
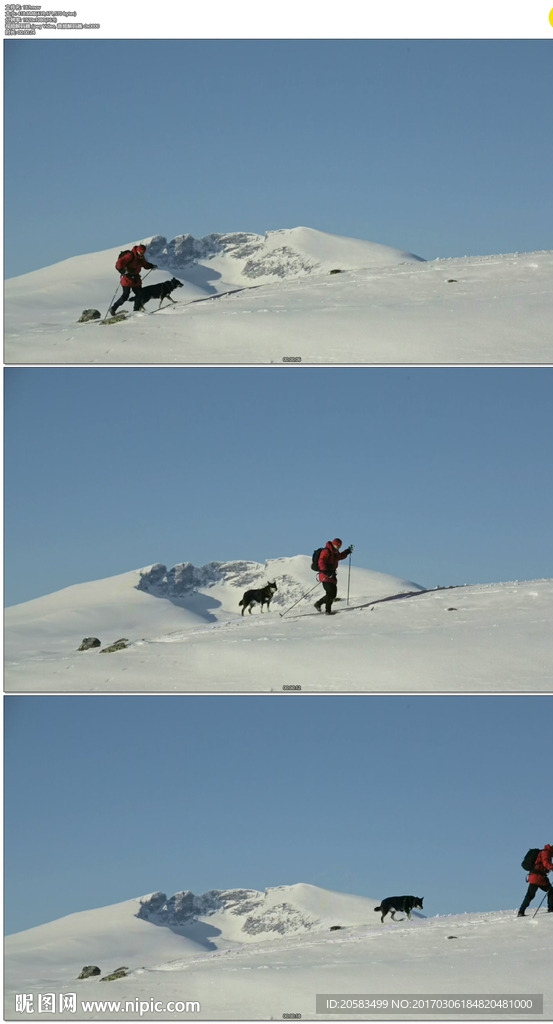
(186, 634)
(275, 300)
(261, 974)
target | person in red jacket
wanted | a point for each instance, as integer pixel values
(537, 879)
(328, 563)
(130, 266)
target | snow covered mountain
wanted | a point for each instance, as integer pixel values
(241, 258)
(247, 955)
(279, 297)
(183, 631)
(249, 916)
(207, 267)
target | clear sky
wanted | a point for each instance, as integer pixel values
(440, 476)
(110, 798)
(441, 147)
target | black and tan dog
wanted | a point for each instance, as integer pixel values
(160, 291)
(261, 596)
(404, 904)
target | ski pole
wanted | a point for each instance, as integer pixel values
(282, 614)
(535, 912)
(349, 571)
(111, 303)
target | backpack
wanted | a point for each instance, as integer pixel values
(315, 559)
(121, 266)
(530, 859)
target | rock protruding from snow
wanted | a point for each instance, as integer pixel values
(285, 254)
(261, 912)
(89, 642)
(89, 972)
(185, 578)
(89, 314)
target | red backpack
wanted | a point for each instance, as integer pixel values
(119, 264)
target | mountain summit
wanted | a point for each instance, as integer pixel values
(243, 258)
(249, 915)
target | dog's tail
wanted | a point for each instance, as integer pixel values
(377, 908)
(241, 602)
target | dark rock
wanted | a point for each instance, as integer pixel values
(88, 972)
(118, 645)
(114, 319)
(89, 314)
(120, 972)
(89, 642)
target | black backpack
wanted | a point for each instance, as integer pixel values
(530, 859)
(315, 559)
(124, 252)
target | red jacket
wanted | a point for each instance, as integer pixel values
(328, 562)
(133, 263)
(542, 865)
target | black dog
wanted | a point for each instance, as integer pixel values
(399, 903)
(262, 596)
(160, 291)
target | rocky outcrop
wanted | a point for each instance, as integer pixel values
(118, 645)
(185, 907)
(120, 972)
(89, 314)
(88, 643)
(258, 254)
(185, 578)
(88, 972)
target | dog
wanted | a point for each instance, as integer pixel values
(392, 904)
(262, 596)
(160, 291)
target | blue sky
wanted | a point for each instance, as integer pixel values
(439, 147)
(440, 476)
(109, 798)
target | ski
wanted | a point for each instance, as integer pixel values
(126, 315)
(159, 308)
(311, 615)
(116, 319)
